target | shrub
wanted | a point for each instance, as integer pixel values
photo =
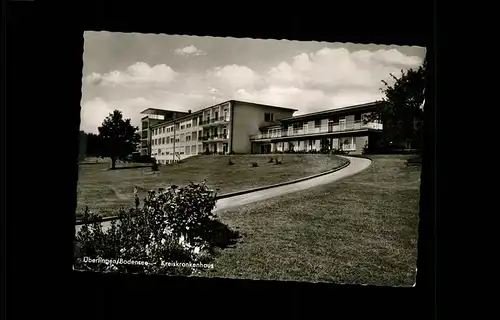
(365, 149)
(173, 225)
(271, 160)
(280, 161)
(155, 166)
(230, 162)
(255, 164)
(339, 151)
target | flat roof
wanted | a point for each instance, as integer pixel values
(331, 111)
(161, 111)
(187, 115)
(262, 104)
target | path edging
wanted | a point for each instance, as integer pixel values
(238, 193)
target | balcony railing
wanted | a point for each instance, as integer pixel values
(214, 120)
(330, 128)
(215, 137)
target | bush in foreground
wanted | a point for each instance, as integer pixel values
(175, 225)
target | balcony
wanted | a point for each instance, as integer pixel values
(330, 128)
(214, 121)
(218, 137)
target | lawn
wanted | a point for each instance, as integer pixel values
(107, 190)
(360, 230)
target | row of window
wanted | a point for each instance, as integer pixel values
(187, 150)
(198, 121)
(182, 138)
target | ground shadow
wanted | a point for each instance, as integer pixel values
(220, 235)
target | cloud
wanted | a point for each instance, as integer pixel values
(325, 79)
(137, 74)
(189, 51)
(331, 69)
(310, 81)
(232, 77)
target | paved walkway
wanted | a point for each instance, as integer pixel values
(357, 165)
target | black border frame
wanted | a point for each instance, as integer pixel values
(41, 272)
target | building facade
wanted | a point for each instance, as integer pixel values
(152, 118)
(220, 129)
(343, 128)
(243, 127)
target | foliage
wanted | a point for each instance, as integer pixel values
(365, 148)
(339, 151)
(230, 162)
(155, 166)
(118, 137)
(138, 158)
(173, 225)
(325, 145)
(271, 160)
(402, 109)
(90, 145)
(255, 164)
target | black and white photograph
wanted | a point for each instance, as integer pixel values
(250, 158)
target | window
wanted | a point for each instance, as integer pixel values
(156, 142)
(177, 140)
(168, 129)
(183, 137)
(194, 135)
(188, 138)
(188, 125)
(159, 151)
(182, 127)
(188, 150)
(163, 140)
(168, 140)
(163, 129)
(317, 123)
(193, 149)
(177, 126)
(269, 117)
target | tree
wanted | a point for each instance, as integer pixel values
(118, 137)
(402, 109)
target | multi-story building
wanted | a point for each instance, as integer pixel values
(154, 117)
(243, 127)
(222, 128)
(343, 128)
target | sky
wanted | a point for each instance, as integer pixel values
(132, 71)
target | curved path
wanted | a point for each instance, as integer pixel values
(357, 165)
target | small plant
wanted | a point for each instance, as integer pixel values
(155, 166)
(280, 161)
(271, 160)
(255, 164)
(173, 225)
(365, 148)
(230, 162)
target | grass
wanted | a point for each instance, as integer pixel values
(361, 230)
(107, 190)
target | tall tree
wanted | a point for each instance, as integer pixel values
(118, 137)
(402, 111)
